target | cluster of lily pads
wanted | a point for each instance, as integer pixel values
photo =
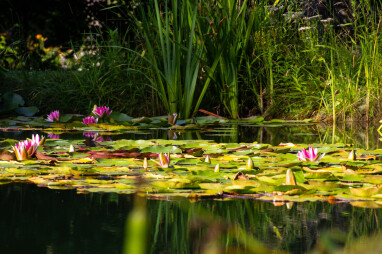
(199, 169)
(195, 169)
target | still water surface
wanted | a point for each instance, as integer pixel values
(40, 220)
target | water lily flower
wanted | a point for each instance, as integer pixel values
(27, 148)
(37, 140)
(310, 155)
(20, 151)
(89, 120)
(101, 112)
(164, 160)
(53, 116)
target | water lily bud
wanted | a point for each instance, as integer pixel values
(250, 163)
(352, 155)
(175, 118)
(71, 149)
(164, 160)
(172, 118)
(145, 164)
(290, 179)
(289, 205)
(217, 168)
(42, 142)
(208, 160)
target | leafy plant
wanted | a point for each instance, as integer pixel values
(13, 103)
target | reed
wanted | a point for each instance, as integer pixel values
(175, 61)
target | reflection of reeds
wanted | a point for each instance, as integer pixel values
(223, 226)
(359, 135)
(137, 224)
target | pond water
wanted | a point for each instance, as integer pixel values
(42, 220)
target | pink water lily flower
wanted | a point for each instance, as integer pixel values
(164, 160)
(27, 148)
(36, 140)
(90, 120)
(101, 112)
(20, 151)
(53, 116)
(310, 155)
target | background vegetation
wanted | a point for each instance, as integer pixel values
(235, 58)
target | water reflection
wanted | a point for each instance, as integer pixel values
(53, 136)
(97, 137)
(360, 135)
(40, 220)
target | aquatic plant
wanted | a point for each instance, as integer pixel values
(101, 112)
(290, 178)
(230, 38)
(217, 168)
(53, 116)
(172, 118)
(90, 120)
(310, 155)
(250, 163)
(37, 140)
(26, 149)
(164, 160)
(175, 60)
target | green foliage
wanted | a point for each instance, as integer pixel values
(13, 103)
(225, 29)
(175, 61)
(246, 57)
(106, 76)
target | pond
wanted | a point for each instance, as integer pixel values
(58, 220)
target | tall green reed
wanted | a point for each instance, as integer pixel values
(225, 28)
(175, 60)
